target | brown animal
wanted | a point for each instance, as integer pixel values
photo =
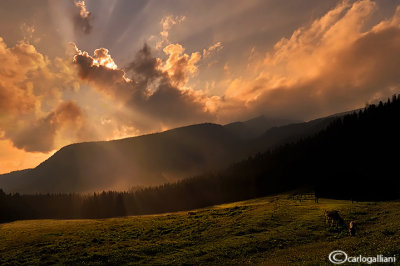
(352, 228)
(333, 218)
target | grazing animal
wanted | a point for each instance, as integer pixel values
(333, 218)
(352, 228)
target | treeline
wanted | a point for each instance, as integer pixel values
(61, 206)
(355, 157)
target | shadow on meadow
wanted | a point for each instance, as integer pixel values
(278, 229)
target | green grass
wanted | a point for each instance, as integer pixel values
(274, 230)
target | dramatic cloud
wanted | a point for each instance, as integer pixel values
(29, 90)
(346, 56)
(180, 65)
(155, 96)
(40, 135)
(337, 62)
(82, 19)
(16, 63)
(334, 64)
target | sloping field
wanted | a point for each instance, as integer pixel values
(273, 230)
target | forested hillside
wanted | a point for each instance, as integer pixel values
(353, 158)
(146, 160)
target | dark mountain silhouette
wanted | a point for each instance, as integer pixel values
(292, 132)
(354, 157)
(255, 127)
(156, 159)
(140, 161)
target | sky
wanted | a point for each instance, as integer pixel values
(75, 71)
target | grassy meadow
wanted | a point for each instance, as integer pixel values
(275, 230)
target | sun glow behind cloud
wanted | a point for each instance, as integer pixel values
(338, 61)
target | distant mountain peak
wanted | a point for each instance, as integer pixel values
(256, 126)
(145, 160)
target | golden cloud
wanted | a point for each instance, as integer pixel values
(82, 19)
(32, 111)
(333, 64)
(180, 65)
(167, 23)
(336, 62)
(16, 92)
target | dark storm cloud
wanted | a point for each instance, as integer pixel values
(145, 66)
(150, 92)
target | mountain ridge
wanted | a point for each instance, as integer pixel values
(155, 158)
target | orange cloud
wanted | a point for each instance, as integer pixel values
(32, 111)
(167, 23)
(216, 47)
(39, 135)
(82, 20)
(333, 64)
(336, 62)
(180, 65)
(16, 95)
